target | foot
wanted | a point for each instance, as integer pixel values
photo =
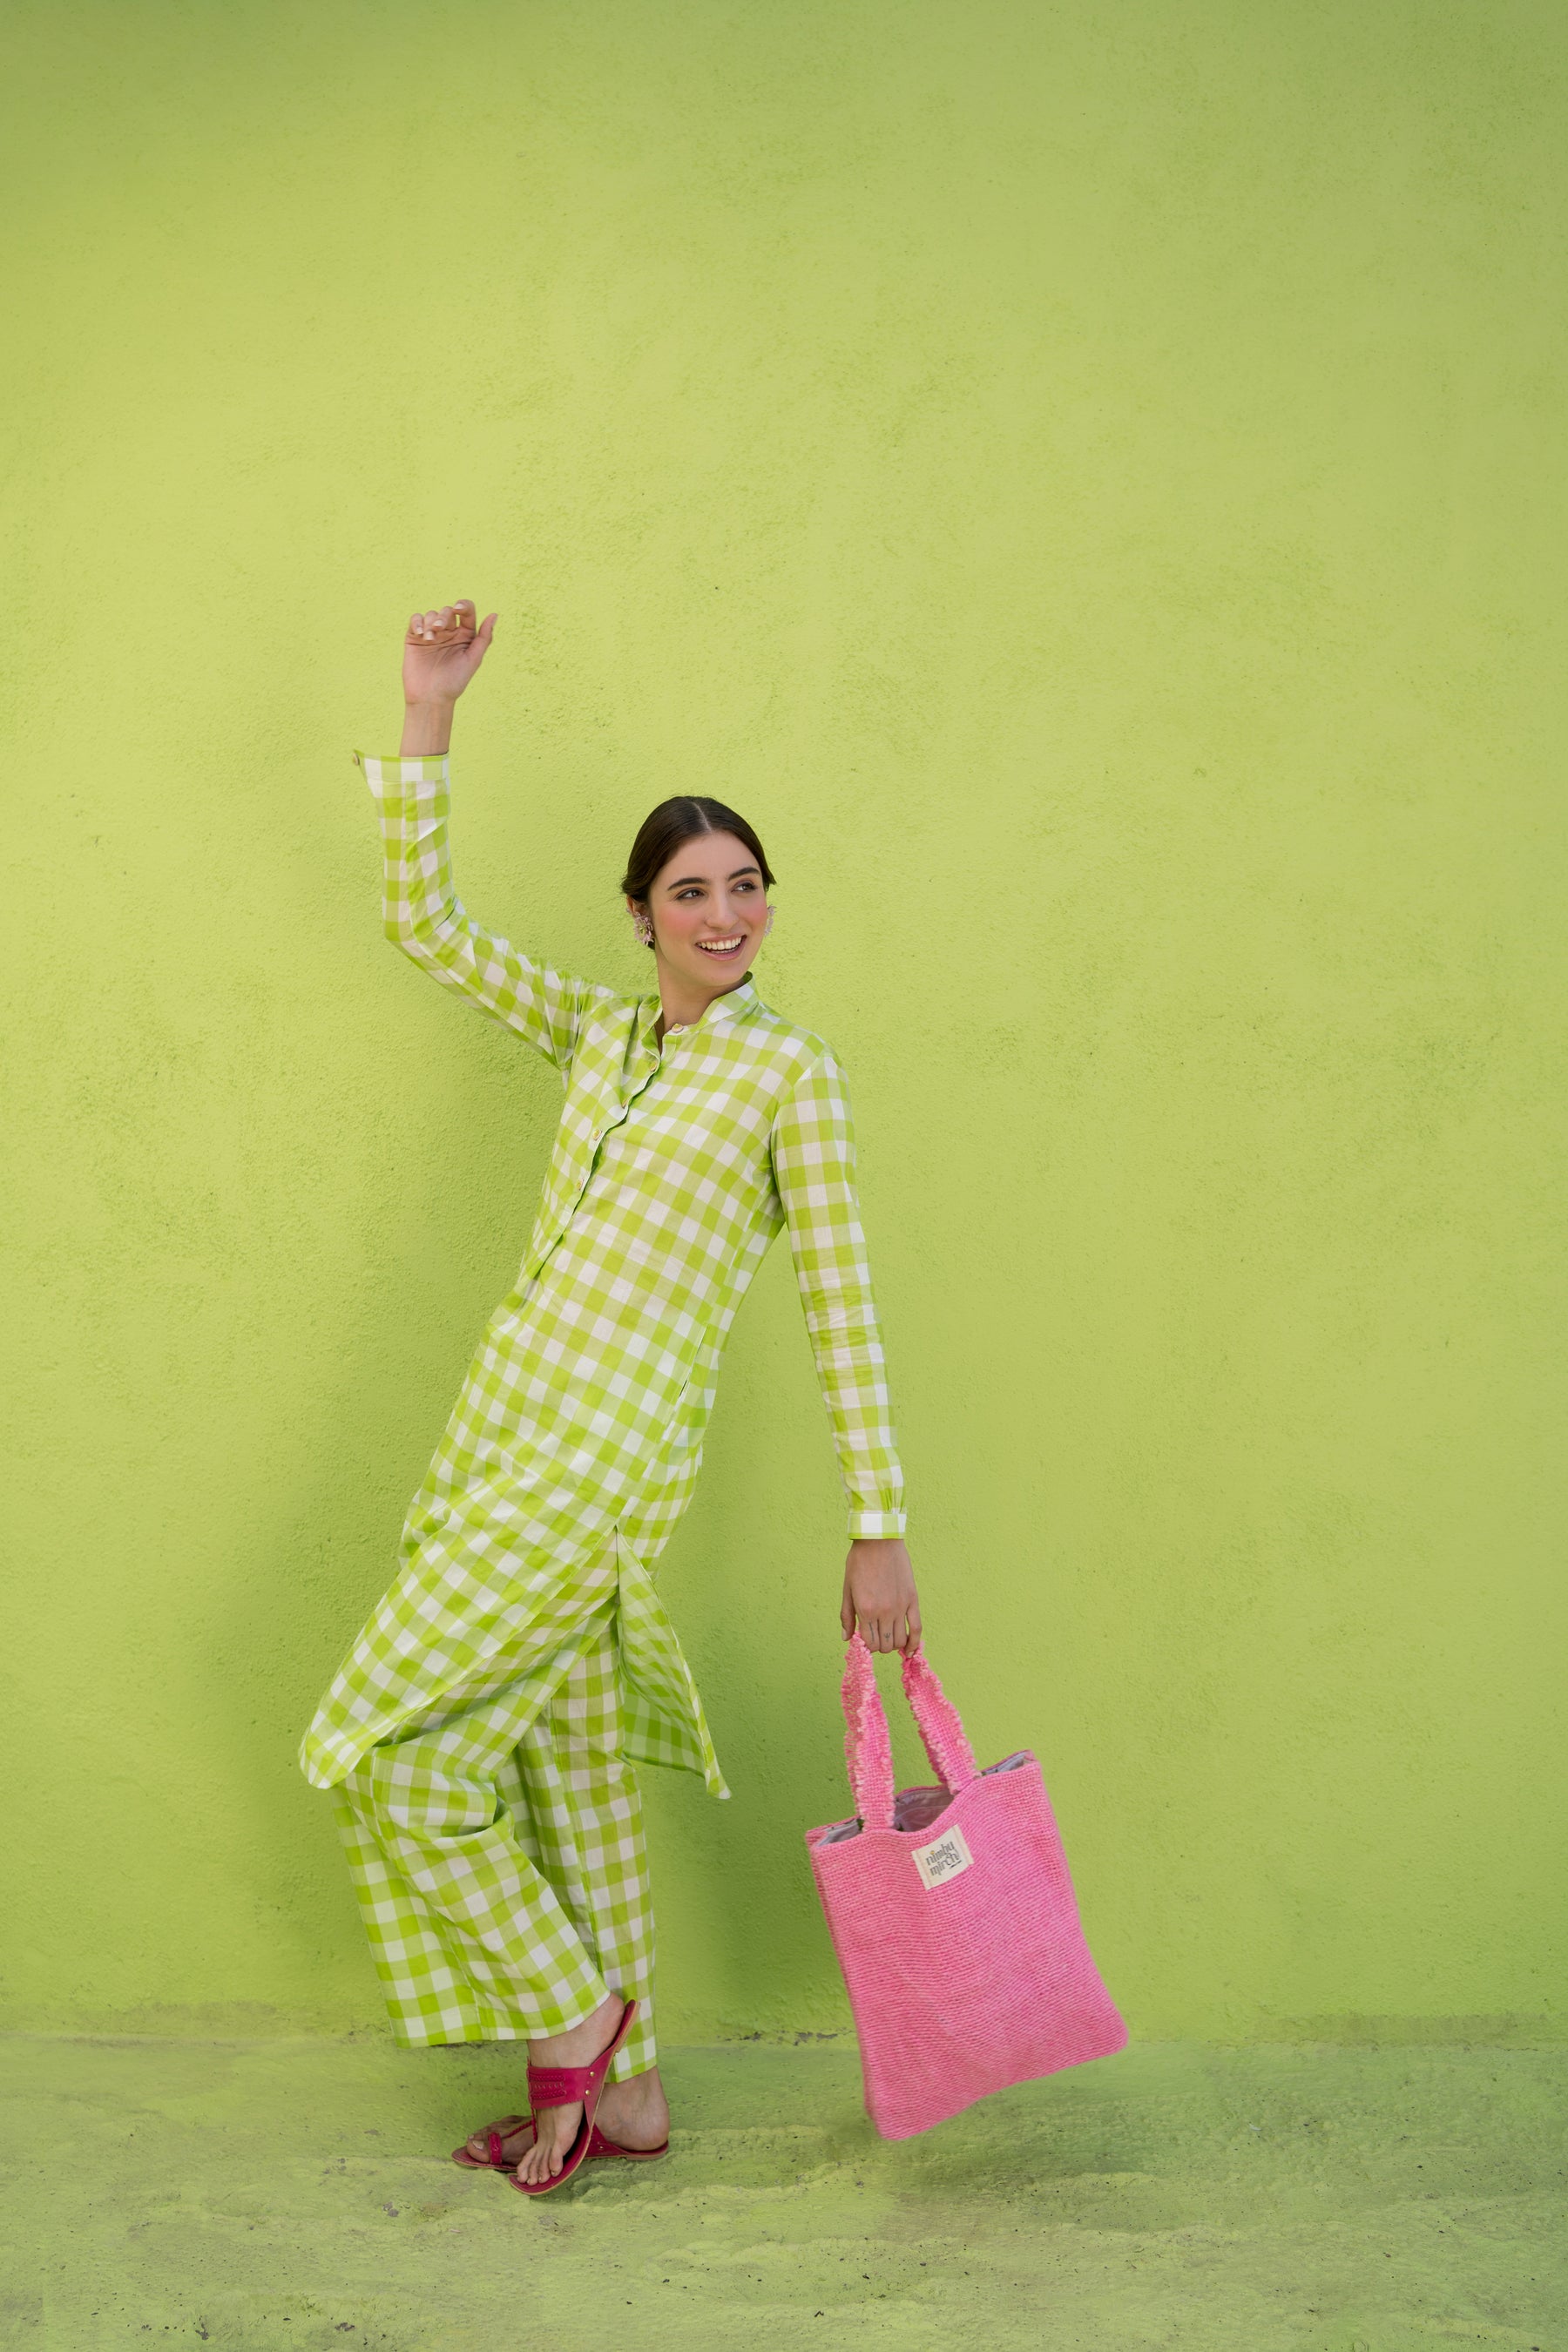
(634, 2114)
(557, 2127)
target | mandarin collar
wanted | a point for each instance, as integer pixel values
(734, 1000)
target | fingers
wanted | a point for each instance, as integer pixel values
(900, 1631)
(445, 622)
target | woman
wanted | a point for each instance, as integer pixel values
(481, 1732)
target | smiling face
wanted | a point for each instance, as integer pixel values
(709, 908)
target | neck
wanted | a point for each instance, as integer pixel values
(685, 1000)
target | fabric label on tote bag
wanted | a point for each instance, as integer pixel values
(944, 1858)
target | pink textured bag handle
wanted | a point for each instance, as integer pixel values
(867, 1746)
(939, 1724)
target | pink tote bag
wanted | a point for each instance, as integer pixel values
(953, 1917)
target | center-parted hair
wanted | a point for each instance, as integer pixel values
(674, 822)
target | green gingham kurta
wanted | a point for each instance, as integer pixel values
(580, 1425)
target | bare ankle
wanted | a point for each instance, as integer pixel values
(579, 2042)
(637, 2110)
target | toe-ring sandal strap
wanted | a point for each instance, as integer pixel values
(495, 2158)
(560, 2086)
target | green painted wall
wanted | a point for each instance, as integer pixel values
(1090, 482)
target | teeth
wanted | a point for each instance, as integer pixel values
(718, 947)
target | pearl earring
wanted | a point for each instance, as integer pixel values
(767, 927)
(643, 929)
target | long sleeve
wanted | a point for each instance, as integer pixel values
(814, 1168)
(422, 914)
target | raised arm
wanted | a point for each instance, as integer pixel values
(421, 912)
(814, 1168)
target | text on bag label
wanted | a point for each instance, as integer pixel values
(944, 1858)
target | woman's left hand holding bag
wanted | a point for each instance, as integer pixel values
(880, 1595)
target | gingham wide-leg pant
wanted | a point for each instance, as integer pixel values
(498, 1854)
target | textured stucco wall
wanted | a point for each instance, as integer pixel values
(1090, 482)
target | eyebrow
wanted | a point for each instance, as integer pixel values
(687, 879)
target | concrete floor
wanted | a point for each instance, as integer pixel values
(260, 2195)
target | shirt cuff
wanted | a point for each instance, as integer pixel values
(393, 774)
(876, 1523)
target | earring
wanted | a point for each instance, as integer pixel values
(643, 930)
(767, 927)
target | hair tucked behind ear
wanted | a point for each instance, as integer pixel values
(672, 822)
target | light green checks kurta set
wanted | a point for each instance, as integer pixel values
(481, 1732)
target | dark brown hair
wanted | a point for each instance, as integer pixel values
(672, 822)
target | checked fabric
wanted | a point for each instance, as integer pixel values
(497, 1853)
(575, 1445)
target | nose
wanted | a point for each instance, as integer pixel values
(725, 917)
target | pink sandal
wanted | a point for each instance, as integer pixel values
(561, 2086)
(495, 2138)
(495, 2160)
